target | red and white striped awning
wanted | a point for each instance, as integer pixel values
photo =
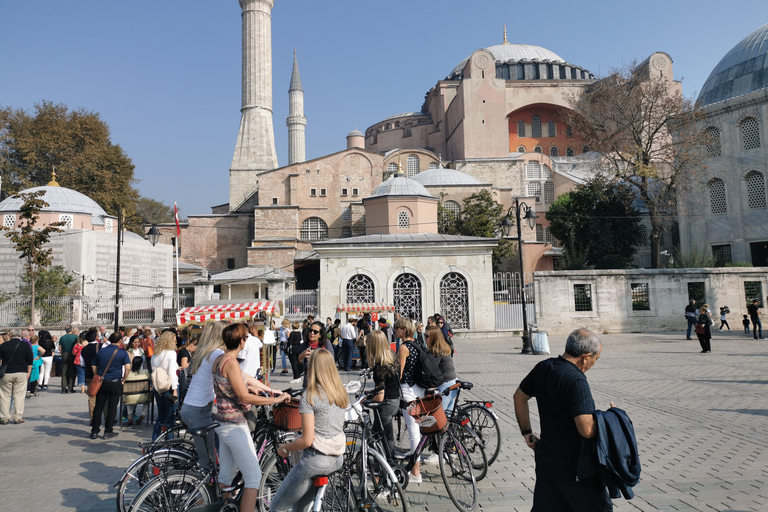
(365, 307)
(242, 311)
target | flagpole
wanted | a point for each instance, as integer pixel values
(176, 250)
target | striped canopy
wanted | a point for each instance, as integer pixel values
(242, 311)
(365, 307)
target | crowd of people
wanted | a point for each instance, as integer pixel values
(700, 321)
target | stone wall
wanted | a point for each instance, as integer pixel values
(610, 307)
(210, 240)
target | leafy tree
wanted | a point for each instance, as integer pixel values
(30, 241)
(596, 221)
(54, 281)
(154, 212)
(647, 135)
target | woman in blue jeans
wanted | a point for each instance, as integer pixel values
(165, 358)
(322, 434)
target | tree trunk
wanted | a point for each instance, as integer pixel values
(32, 304)
(656, 230)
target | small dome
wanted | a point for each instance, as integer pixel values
(401, 186)
(443, 176)
(59, 199)
(744, 69)
(355, 133)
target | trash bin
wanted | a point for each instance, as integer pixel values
(540, 342)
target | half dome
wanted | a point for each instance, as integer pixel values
(443, 176)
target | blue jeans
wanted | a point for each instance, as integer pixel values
(757, 328)
(196, 417)
(165, 408)
(80, 370)
(691, 323)
(450, 400)
(348, 350)
(297, 490)
(283, 358)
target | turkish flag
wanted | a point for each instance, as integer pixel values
(176, 216)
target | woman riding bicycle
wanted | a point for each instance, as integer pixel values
(442, 351)
(386, 373)
(322, 434)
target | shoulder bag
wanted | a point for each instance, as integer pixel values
(95, 385)
(161, 381)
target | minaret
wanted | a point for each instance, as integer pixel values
(297, 123)
(255, 149)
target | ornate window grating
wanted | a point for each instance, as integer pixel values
(696, 292)
(533, 170)
(403, 222)
(69, 220)
(722, 254)
(454, 299)
(521, 128)
(412, 166)
(360, 289)
(135, 276)
(536, 126)
(9, 221)
(753, 290)
(406, 294)
(644, 241)
(582, 297)
(750, 133)
(640, 297)
(314, 228)
(717, 196)
(549, 192)
(712, 141)
(451, 211)
(755, 190)
(551, 126)
(547, 172)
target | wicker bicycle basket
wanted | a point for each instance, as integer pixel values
(422, 409)
(286, 415)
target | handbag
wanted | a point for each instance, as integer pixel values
(95, 385)
(4, 366)
(161, 381)
(701, 329)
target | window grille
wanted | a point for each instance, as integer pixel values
(644, 241)
(755, 190)
(569, 152)
(346, 232)
(345, 192)
(696, 292)
(314, 228)
(312, 192)
(112, 274)
(392, 168)
(432, 165)
(346, 213)
(9, 221)
(274, 200)
(750, 133)
(153, 277)
(454, 299)
(722, 254)
(536, 126)
(412, 166)
(640, 297)
(547, 172)
(549, 192)
(108, 225)
(360, 289)
(553, 151)
(521, 149)
(717, 196)
(406, 295)
(521, 128)
(402, 220)
(759, 253)
(533, 170)
(539, 233)
(355, 192)
(550, 238)
(712, 141)
(451, 210)
(537, 149)
(323, 192)
(534, 189)
(552, 129)
(582, 297)
(135, 276)
(69, 220)
(753, 290)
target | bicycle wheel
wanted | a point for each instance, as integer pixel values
(144, 469)
(474, 446)
(177, 492)
(273, 472)
(402, 439)
(178, 431)
(486, 426)
(339, 495)
(382, 486)
(457, 473)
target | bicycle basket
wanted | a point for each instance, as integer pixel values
(286, 415)
(428, 413)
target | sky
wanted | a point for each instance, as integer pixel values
(165, 74)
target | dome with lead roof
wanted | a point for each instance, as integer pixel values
(60, 200)
(442, 176)
(399, 185)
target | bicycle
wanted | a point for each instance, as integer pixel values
(481, 418)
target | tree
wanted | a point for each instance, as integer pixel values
(154, 212)
(29, 240)
(481, 216)
(54, 281)
(647, 135)
(76, 144)
(597, 222)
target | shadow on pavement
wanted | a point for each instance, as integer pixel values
(735, 381)
(756, 412)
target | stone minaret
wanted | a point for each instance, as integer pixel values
(255, 149)
(297, 123)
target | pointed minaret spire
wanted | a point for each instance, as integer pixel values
(297, 123)
(505, 35)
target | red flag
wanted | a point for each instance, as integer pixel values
(176, 216)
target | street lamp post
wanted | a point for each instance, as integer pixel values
(506, 227)
(153, 235)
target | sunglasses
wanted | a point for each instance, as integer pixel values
(314, 331)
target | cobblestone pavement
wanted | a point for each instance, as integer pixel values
(700, 421)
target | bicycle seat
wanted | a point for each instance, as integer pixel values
(370, 404)
(466, 385)
(201, 431)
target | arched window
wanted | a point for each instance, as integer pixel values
(569, 152)
(537, 149)
(536, 126)
(360, 289)
(451, 211)
(412, 166)
(717, 200)
(454, 299)
(521, 149)
(712, 135)
(553, 151)
(585, 149)
(755, 190)
(406, 295)
(403, 222)
(392, 168)
(314, 228)
(521, 128)
(546, 172)
(533, 170)
(551, 126)
(432, 165)
(750, 133)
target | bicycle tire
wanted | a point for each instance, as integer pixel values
(177, 492)
(402, 438)
(339, 495)
(457, 473)
(273, 472)
(474, 446)
(383, 487)
(143, 470)
(486, 426)
(175, 432)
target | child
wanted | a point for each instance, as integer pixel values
(746, 324)
(723, 322)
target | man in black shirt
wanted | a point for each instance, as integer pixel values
(757, 326)
(114, 365)
(691, 315)
(17, 354)
(566, 412)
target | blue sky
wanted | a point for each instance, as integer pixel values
(165, 75)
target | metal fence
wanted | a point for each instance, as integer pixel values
(51, 312)
(170, 309)
(301, 303)
(508, 292)
(100, 310)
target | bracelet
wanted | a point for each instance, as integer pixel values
(526, 432)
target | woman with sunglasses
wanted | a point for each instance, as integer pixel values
(315, 339)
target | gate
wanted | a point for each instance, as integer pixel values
(508, 300)
(301, 303)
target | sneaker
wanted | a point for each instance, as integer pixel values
(94, 435)
(296, 381)
(140, 419)
(414, 479)
(284, 371)
(3, 422)
(19, 421)
(109, 435)
(432, 460)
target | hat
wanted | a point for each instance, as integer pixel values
(382, 320)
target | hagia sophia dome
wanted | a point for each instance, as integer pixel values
(743, 70)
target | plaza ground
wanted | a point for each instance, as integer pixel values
(700, 421)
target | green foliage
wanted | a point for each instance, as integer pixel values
(154, 212)
(738, 264)
(613, 261)
(697, 257)
(596, 221)
(54, 281)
